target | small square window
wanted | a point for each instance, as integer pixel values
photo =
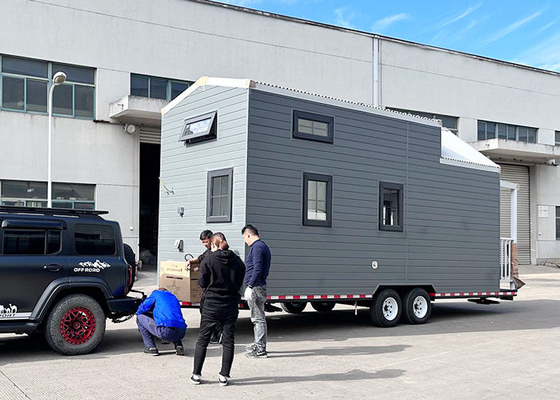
(390, 206)
(219, 195)
(198, 129)
(313, 127)
(317, 200)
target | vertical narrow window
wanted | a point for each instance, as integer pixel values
(557, 223)
(481, 130)
(391, 206)
(219, 195)
(317, 200)
(557, 138)
(313, 127)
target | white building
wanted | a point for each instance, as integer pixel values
(127, 59)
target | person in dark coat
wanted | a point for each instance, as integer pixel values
(221, 277)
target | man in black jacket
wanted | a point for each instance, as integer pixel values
(221, 277)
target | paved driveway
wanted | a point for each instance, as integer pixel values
(466, 351)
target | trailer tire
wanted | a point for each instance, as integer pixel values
(75, 325)
(386, 308)
(323, 306)
(294, 307)
(417, 306)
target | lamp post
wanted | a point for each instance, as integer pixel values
(58, 79)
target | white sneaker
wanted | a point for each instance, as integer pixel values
(223, 380)
(195, 379)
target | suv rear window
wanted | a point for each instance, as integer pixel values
(94, 240)
(31, 242)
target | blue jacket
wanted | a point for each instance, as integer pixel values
(166, 309)
(257, 264)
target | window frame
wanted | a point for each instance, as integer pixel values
(557, 222)
(40, 201)
(214, 174)
(85, 224)
(530, 131)
(309, 176)
(45, 231)
(557, 138)
(400, 205)
(329, 120)
(168, 86)
(49, 81)
(212, 132)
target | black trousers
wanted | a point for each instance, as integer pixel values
(216, 316)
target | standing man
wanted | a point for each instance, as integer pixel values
(257, 267)
(167, 322)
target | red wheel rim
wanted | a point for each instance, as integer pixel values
(77, 325)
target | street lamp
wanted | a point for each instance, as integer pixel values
(58, 79)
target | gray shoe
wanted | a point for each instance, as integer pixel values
(180, 350)
(152, 351)
(250, 347)
(257, 354)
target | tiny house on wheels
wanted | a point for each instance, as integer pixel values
(359, 205)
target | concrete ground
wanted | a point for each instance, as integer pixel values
(466, 351)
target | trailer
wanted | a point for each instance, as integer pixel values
(359, 205)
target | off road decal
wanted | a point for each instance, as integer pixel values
(8, 312)
(89, 266)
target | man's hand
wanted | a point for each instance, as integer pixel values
(188, 265)
(248, 293)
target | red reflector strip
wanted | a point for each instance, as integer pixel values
(320, 296)
(473, 294)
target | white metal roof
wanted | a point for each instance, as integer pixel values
(458, 152)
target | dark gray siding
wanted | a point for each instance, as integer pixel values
(184, 169)
(451, 231)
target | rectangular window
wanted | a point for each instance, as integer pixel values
(557, 223)
(317, 200)
(313, 127)
(34, 194)
(391, 206)
(26, 83)
(447, 121)
(219, 195)
(156, 88)
(490, 130)
(199, 128)
(31, 242)
(557, 138)
(94, 240)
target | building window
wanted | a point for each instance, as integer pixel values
(219, 195)
(391, 206)
(94, 240)
(34, 194)
(198, 129)
(557, 223)
(25, 85)
(157, 88)
(317, 200)
(492, 130)
(557, 138)
(31, 242)
(313, 127)
(447, 121)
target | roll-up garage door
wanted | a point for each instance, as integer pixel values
(150, 135)
(516, 174)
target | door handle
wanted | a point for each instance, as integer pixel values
(52, 267)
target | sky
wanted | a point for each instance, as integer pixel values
(519, 31)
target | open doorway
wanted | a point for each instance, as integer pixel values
(149, 200)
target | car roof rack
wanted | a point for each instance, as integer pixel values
(51, 211)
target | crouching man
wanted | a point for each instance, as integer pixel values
(160, 316)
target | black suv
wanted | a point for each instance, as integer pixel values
(62, 272)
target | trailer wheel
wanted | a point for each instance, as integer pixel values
(417, 306)
(323, 306)
(75, 325)
(294, 308)
(386, 308)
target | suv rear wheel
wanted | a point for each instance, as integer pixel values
(75, 325)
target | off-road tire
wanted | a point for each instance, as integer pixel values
(130, 259)
(294, 307)
(323, 306)
(386, 308)
(75, 325)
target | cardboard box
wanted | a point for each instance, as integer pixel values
(180, 282)
(177, 268)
